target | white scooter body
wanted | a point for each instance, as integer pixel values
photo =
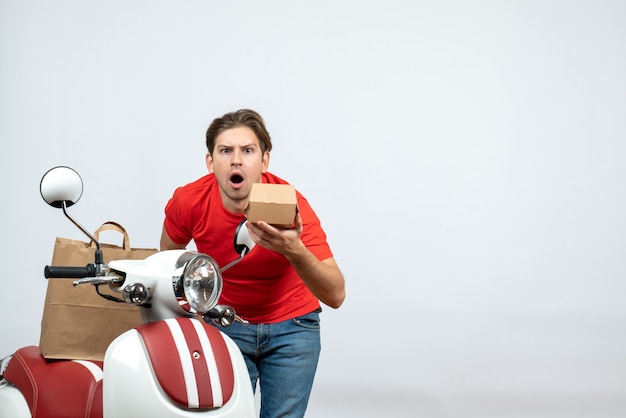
(131, 373)
(130, 380)
(12, 402)
(131, 390)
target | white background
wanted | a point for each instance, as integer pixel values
(466, 160)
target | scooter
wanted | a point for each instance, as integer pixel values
(173, 365)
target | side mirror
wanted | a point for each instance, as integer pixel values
(61, 185)
(243, 242)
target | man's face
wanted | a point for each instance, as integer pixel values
(237, 162)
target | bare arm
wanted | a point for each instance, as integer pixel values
(168, 244)
(323, 278)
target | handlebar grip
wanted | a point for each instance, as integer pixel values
(62, 272)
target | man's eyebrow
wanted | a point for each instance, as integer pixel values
(250, 145)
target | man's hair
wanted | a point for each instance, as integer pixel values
(242, 117)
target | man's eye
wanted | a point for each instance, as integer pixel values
(248, 150)
(224, 151)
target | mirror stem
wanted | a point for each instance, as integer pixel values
(99, 258)
(79, 226)
(232, 263)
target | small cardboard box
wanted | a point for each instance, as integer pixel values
(275, 204)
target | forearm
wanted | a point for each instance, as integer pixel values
(323, 278)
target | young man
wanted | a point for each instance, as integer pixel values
(278, 286)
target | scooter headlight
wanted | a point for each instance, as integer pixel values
(199, 285)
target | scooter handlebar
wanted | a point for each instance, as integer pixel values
(63, 272)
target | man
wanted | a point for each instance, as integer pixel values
(278, 286)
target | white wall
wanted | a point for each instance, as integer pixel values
(466, 159)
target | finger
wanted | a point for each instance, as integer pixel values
(267, 228)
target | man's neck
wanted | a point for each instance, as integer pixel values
(234, 206)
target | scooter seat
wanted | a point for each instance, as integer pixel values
(56, 388)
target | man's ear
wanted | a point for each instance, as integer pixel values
(266, 161)
(209, 162)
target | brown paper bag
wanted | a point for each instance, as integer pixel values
(77, 323)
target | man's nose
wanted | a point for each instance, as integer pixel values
(236, 157)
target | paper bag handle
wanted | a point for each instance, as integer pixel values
(113, 226)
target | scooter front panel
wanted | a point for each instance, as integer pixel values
(131, 388)
(190, 360)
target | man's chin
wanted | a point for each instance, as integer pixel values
(238, 194)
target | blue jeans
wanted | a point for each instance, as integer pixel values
(283, 358)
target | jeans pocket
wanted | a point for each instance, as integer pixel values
(308, 321)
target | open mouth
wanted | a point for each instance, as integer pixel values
(236, 179)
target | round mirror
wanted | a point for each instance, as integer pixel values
(61, 184)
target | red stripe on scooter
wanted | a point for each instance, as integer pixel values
(165, 363)
(223, 360)
(200, 367)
